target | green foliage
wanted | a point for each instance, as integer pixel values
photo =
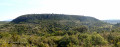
(58, 30)
(98, 39)
(15, 37)
(68, 41)
(81, 29)
(59, 21)
(5, 35)
(117, 25)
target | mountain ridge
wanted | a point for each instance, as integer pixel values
(112, 21)
(55, 22)
(62, 21)
(33, 17)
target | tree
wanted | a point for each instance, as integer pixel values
(97, 39)
(81, 29)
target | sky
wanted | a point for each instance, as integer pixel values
(100, 9)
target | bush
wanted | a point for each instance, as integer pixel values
(68, 41)
(81, 29)
(97, 39)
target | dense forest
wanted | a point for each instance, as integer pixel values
(58, 30)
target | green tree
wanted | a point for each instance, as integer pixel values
(81, 29)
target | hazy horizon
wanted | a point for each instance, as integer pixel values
(100, 9)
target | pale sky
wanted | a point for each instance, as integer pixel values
(100, 9)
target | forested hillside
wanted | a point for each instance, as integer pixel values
(61, 19)
(117, 25)
(39, 18)
(58, 30)
(112, 21)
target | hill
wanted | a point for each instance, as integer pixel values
(31, 18)
(117, 25)
(55, 22)
(59, 18)
(33, 23)
(58, 30)
(46, 20)
(112, 21)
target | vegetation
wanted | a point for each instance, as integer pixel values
(112, 21)
(3, 22)
(58, 30)
(117, 25)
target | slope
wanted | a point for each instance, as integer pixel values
(49, 23)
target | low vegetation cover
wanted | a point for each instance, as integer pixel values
(3, 22)
(58, 30)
